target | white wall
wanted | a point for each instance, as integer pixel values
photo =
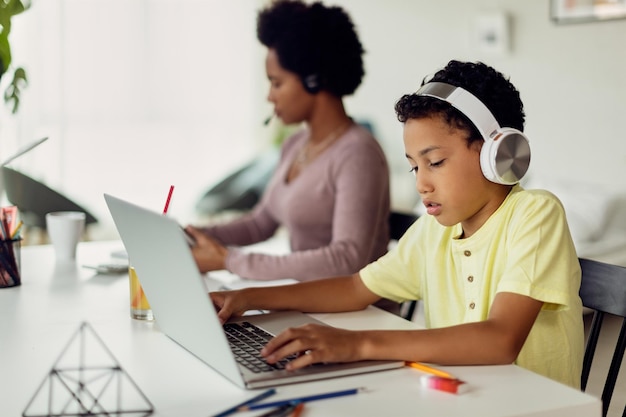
(136, 96)
(140, 94)
(572, 78)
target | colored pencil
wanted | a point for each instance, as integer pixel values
(5, 229)
(281, 411)
(17, 229)
(252, 400)
(298, 410)
(430, 370)
(301, 399)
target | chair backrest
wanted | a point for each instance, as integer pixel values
(34, 199)
(603, 289)
(398, 224)
(242, 189)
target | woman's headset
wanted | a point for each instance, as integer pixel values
(311, 83)
(505, 155)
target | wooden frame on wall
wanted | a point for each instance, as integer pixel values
(579, 11)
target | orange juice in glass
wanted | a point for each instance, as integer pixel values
(139, 306)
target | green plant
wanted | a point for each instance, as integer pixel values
(8, 9)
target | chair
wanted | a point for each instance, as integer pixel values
(35, 199)
(603, 289)
(243, 188)
(398, 225)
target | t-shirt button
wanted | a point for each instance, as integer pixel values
(467, 253)
(472, 305)
(470, 278)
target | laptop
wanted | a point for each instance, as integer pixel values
(179, 299)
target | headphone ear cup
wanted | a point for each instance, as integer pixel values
(311, 83)
(505, 158)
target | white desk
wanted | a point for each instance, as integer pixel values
(38, 318)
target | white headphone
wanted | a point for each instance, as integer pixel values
(505, 155)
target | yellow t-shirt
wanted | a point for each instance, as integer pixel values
(525, 248)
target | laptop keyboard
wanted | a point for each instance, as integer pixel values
(246, 341)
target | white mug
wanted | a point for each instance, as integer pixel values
(65, 229)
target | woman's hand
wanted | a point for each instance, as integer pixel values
(208, 253)
(314, 343)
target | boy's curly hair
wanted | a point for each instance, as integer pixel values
(488, 85)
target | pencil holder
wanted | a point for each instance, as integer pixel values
(10, 262)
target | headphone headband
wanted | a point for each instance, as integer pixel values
(505, 155)
(466, 103)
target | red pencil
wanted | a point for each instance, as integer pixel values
(169, 197)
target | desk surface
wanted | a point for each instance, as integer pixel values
(39, 318)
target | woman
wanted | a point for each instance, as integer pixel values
(331, 187)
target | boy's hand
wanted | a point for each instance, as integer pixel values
(227, 304)
(313, 343)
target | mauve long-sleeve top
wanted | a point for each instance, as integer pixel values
(336, 212)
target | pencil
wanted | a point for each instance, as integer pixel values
(252, 400)
(298, 410)
(169, 197)
(430, 370)
(17, 229)
(281, 411)
(5, 229)
(300, 399)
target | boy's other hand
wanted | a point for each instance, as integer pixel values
(313, 343)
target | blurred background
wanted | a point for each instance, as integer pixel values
(140, 95)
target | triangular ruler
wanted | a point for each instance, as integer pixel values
(87, 380)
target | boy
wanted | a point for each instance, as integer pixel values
(494, 264)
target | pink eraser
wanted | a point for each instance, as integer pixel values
(454, 386)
